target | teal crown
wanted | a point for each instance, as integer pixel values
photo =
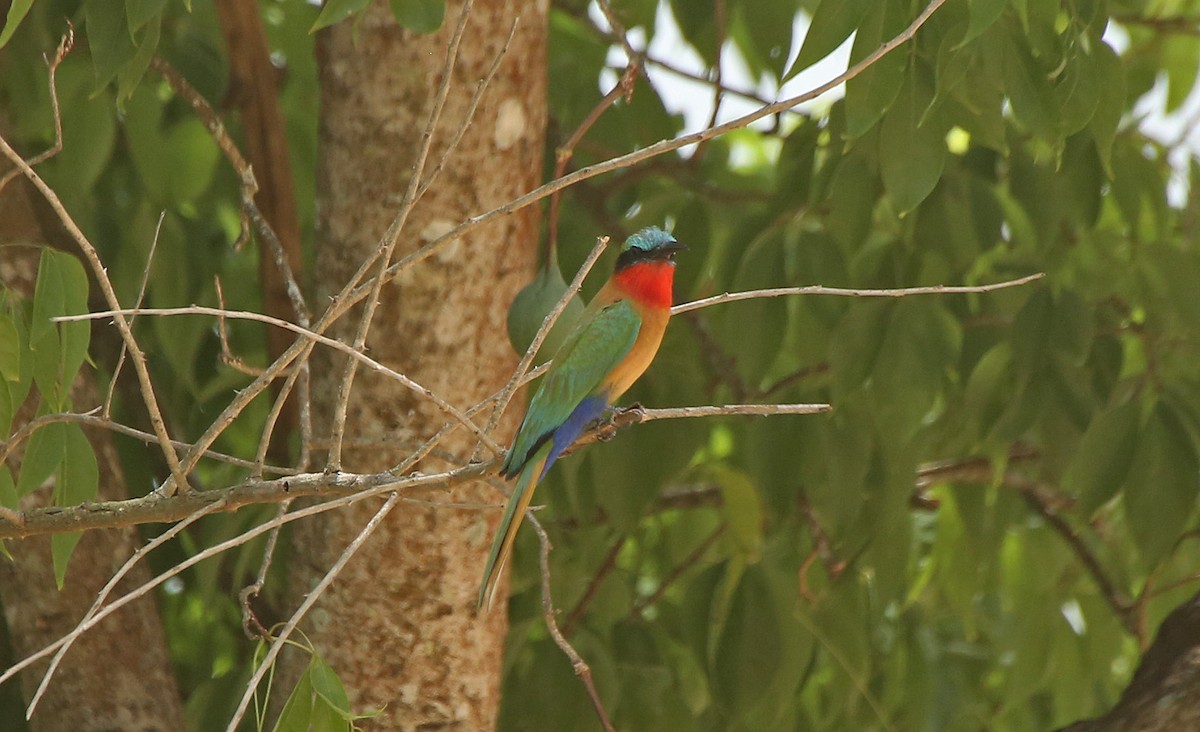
(649, 239)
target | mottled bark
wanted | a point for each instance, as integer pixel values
(118, 675)
(399, 624)
(1164, 695)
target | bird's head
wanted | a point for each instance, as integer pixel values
(651, 244)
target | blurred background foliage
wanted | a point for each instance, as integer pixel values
(912, 560)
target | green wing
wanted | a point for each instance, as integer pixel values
(592, 350)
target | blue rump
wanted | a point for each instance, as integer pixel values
(589, 409)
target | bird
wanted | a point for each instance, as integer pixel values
(612, 344)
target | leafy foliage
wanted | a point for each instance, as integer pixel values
(849, 572)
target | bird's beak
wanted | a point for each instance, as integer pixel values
(673, 247)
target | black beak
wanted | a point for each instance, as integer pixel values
(672, 248)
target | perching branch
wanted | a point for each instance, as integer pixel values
(853, 292)
(156, 508)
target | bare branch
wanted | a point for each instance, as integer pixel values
(156, 508)
(141, 296)
(64, 47)
(852, 292)
(582, 670)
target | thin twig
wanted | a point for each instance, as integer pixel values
(589, 594)
(250, 625)
(642, 604)
(141, 296)
(582, 670)
(1035, 496)
(156, 508)
(853, 292)
(94, 420)
(228, 357)
(64, 47)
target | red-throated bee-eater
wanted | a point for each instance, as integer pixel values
(613, 343)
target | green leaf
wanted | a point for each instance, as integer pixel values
(61, 289)
(531, 306)
(983, 14)
(1079, 92)
(869, 94)
(854, 192)
(1181, 62)
(62, 546)
(43, 455)
(10, 350)
(298, 709)
(78, 481)
(1073, 327)
(419, 16)
(1102, 460)
(8, 489)
(79, 475)
(1031, 95)
(911, 154)
(1031, 331)
(761, 266)
(191, 158)
(832, 23)
(327, 719)
(132, 73)
(335, 11)
(140, 12)
(328, 686)
(748, 652)
(743, 510)
(763, 33)
(1160, 492)
(108, 38)
(49, 296)
(16, 13)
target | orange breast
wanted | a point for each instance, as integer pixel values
(650, 335)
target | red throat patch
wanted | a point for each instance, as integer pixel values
(648, 283)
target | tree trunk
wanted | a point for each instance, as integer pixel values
(118, 675)
(1164, 695)
(399, 624)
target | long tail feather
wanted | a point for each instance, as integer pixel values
(514, 514)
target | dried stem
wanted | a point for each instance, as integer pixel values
(582, 670)
(141, 296)
(64, 47)
(641, 605)
(853, 292)
(606, 568)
